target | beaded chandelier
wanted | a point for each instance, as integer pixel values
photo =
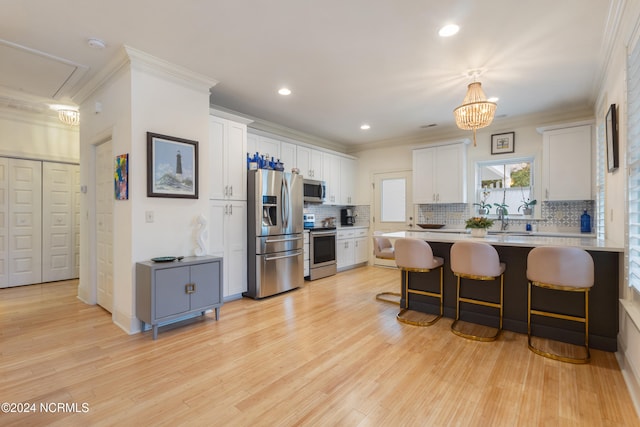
(475, 112)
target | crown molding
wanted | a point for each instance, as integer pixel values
(131, 58)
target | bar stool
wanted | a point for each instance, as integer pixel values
(382, 248)
(476, 261)
(562, 269)
(414, 255)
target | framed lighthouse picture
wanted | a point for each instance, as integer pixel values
(172, 167)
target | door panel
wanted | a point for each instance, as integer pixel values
(25, 222)
(393, 211)
(104, 224)
(57, 222)
(4, 222)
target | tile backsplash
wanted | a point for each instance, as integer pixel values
(327, 211)
(562, 216)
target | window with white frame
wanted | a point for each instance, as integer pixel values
(600, 181)
(506, 183)
(633, 166)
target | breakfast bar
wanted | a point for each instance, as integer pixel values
(513, 249)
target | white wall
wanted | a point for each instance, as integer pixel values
(144, 95)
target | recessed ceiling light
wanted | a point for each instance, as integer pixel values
(448, 30)
(284, 91)
(493, 99)
(365, 127)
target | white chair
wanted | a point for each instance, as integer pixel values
(382, 248)
(476, 261)
(562, 269)
(416, 256)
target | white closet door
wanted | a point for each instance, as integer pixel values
(4, 222)
(76, 221)
(25, 222)
(57, 222)
(105, 197)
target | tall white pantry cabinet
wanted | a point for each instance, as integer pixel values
(39, 239)
(228, 201)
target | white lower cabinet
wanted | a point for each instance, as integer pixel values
(351, 247)
(228, 239)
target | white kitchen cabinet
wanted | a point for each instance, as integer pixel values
(309, 161)
(347, 181)
(331, 174)
(440, 174)
(288, 155)
(227, 159)
(566, 163)
(351, 247)
(228, 239)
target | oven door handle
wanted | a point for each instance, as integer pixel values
(282, 256)
(293, 239)
(323, 233)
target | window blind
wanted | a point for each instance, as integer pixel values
(633, 167)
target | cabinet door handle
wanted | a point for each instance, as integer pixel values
(190, 288)
(226, 209)
(231, 190)
(230, 209)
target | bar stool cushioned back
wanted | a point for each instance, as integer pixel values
(382, 248)
(562, 269)
(476, 261)
(416, 256)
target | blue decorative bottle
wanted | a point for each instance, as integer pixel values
(585, 222)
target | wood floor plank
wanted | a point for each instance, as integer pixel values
(326, 354)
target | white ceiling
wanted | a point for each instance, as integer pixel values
(347, 61)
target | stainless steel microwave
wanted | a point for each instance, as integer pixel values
(314, 191)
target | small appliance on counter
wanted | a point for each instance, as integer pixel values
(347, 217)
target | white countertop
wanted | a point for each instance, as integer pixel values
(516, 239)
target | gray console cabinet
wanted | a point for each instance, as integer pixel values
(172, 290)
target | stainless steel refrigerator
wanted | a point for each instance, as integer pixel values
(275, 239)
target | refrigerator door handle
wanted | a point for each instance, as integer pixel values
(282, 256)
(283, 240)
(285, 203)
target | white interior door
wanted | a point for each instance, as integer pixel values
(57, 222)
(76, 221)
(25, 222)
(4, 222)
(104, 224)
(392, 205)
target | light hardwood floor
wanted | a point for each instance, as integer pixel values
(327, 354)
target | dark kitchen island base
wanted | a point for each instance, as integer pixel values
(603, 298)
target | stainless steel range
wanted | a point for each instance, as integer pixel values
(322, 249)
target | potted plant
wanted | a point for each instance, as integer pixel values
(478, 225)
(483, 206)
(527, 206)
(501, 209)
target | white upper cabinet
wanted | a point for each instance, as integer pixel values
(309, 162)
(331, 174)
(347, 181)
(227, 159)
(288, 155)
(440, 174)
(566, 165)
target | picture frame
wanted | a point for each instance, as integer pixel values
(502, 143)
(172, 167)
(611, 125)
(121, 177)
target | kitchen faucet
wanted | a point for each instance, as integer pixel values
(504, 221)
